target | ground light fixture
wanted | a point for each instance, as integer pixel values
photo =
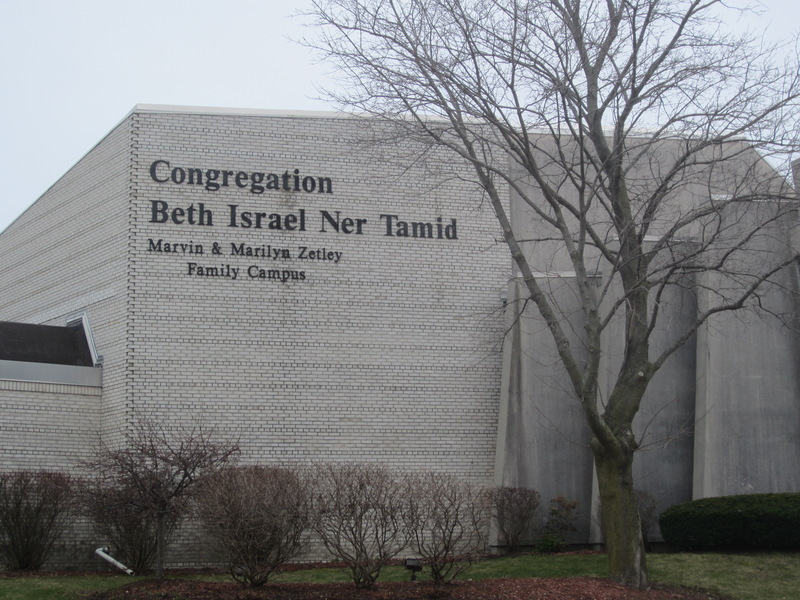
(414, 565)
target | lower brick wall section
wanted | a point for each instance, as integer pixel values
(50, 427)
(74, 551)
(46, 426)
(191, 548)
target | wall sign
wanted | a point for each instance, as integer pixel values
(238, 218)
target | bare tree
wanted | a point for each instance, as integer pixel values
(357, 514)
(257, 515)
(447, 520)
(632, 134)
(157, 468)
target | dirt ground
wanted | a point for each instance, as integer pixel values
(577, 588)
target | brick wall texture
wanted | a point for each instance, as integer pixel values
(361, 344)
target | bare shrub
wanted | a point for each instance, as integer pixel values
(357, 514)
(157, 467)
(447, 521)
(514, 508)
(257, 515)
(130, 529)
(34, 511)
(648, 514)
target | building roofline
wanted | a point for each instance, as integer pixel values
(192, 110)
(249, 112)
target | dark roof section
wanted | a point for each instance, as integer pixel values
(45, 344)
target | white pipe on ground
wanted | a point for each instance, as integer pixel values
(103, 553)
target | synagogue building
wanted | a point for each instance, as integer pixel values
(319, 291)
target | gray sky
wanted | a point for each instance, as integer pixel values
(70, 70)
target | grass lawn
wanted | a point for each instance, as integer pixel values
(60, 587)
(759, 576)
(768, 576)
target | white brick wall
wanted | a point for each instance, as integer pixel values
(379, 357)
(46, 426)
(390, 355)
(386, 355)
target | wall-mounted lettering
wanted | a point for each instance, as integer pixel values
(162, 171)
(397, 227)
(322, 223)
(330, 222)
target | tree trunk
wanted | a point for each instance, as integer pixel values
(619, 516)
(161, 537)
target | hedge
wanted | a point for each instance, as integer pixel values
(750, 522)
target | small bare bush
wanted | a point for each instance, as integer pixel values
(447, 522)
(34, 511)
(257, 515)
(357, 514)
(513, 508)
(131, 531)
(648, 514)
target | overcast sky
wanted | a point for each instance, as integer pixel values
(70, 70)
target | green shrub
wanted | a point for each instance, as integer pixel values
(560, 523)
(549, 543)
(751, 522)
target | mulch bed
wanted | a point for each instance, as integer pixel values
(572, 588)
